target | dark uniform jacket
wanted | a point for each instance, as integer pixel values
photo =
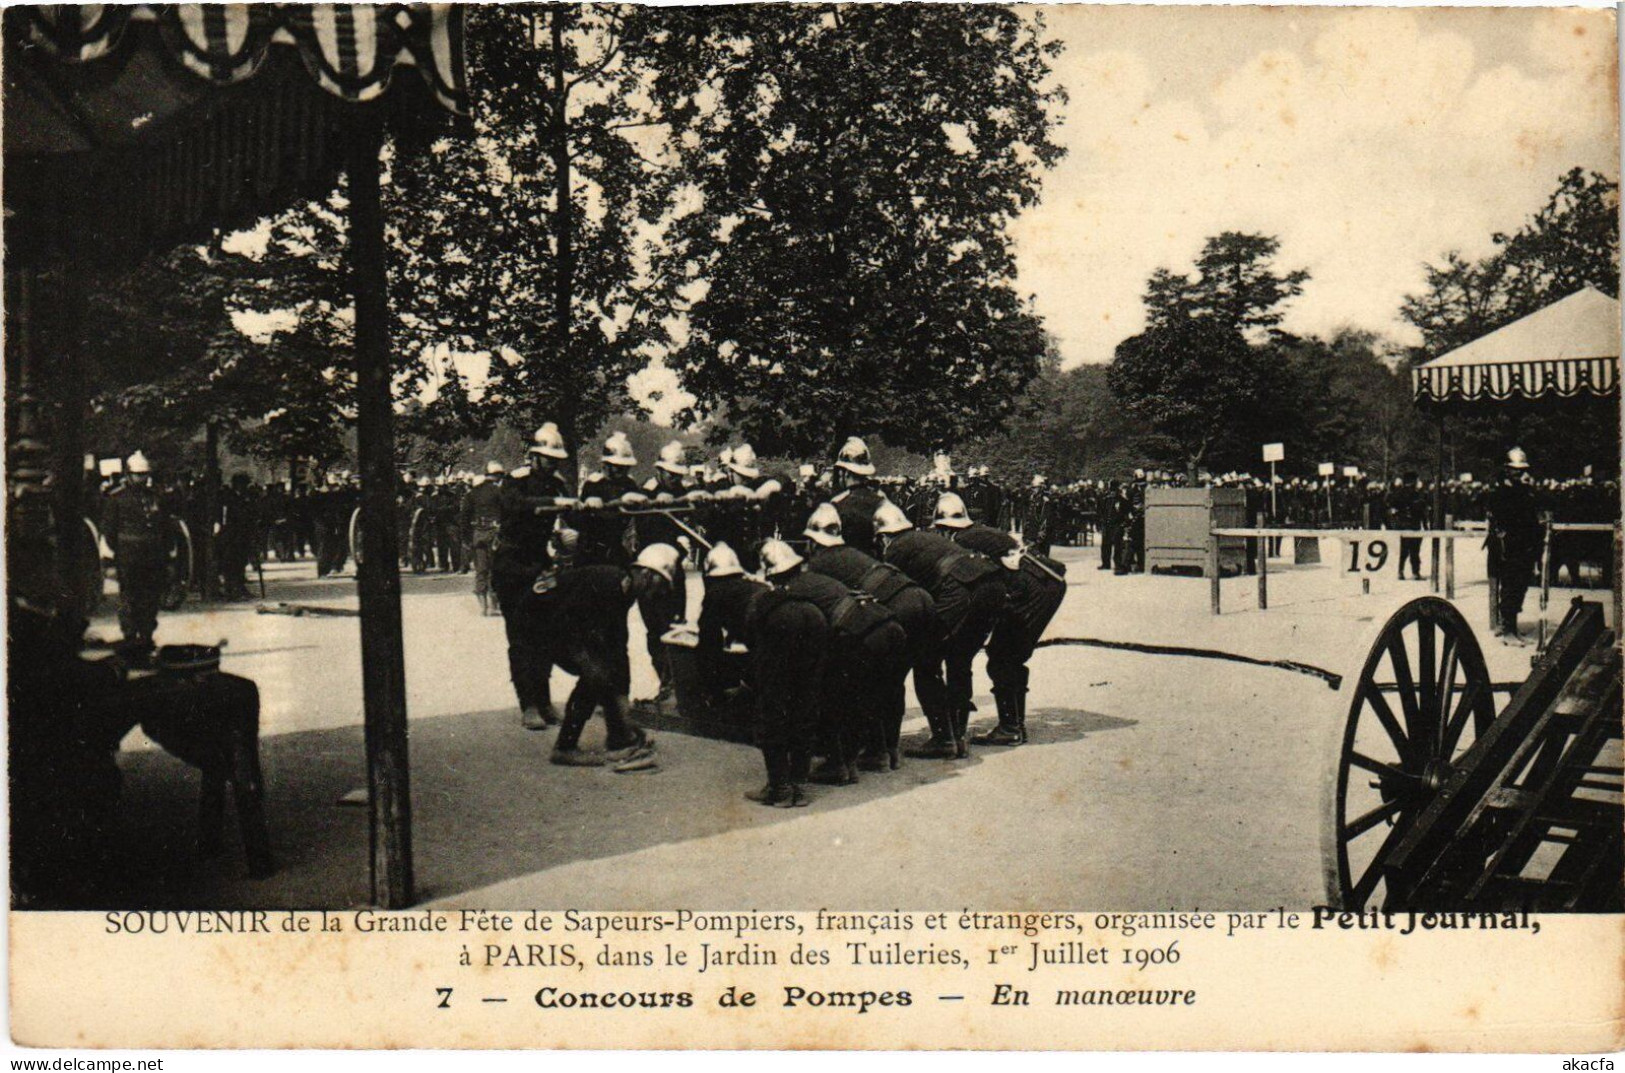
(726, 614)
(136, 522)
(857, 506)
(605, 535)
(858, 571)
(522, 540)
(1516, 522)
(482, 508)
(930, 560)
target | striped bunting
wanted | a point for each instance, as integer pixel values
(1563, 379)
(351, 50)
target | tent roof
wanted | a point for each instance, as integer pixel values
(1569, 348)
(1583, 325)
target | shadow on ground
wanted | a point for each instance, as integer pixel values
(487, 806)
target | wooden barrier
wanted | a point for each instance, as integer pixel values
(1352, 542)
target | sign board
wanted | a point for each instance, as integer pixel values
(1328, 469)
(111, 466)
(1466, 478)
(1351, 471)
(1275, 452)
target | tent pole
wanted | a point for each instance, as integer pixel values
(383, 660)
(1438, 478)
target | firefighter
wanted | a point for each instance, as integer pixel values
(857, 496)
(660, 608)
(1514, 543)
(606, 536)
(139, 529)
(527, 509)
(968, 593)
(909, 604)
(867, 660)
(587, 607)
(788, 639)
(1034, 587)
(482, 518)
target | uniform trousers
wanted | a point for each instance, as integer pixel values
(1033, 600)
(659, 609)
(142, 576)
(597, 657)
(524, 620)
(788, 662)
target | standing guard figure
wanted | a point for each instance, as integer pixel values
(527, 505)
(1514, 543)
(482, 517)
(138, 529)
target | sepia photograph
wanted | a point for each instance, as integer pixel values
(751, 473)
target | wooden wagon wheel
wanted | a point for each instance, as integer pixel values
(355, 537)
(181, 568)
(414, 541)
(93, 572)
(1423, 696)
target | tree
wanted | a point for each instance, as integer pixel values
(531, 239)
(1570, 243)
(844, 247)
(1192, 377)
(1067, 424)
(1235, 287)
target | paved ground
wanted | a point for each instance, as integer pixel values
(1151, 782)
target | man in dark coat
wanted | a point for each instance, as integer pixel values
(788, 638)
(969, 596)
(1035, 585)
(867, 661)
(1514, 543)
(587, 606)
(139, 529)
(910, 604)
(857, 498)
(528, 507)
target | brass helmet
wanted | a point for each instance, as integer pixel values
(662, 559)
(721, 561)
(618, 451)
(671, 459)
(951, 512)
(824, 526)
(779, 558)
(889, 518)
(549, 442)
(743, 461)
(854, 457)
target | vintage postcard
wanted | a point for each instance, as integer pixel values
(813, 526)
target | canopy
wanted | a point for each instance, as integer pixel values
(1568, 349)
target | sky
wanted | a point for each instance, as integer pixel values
(1369, 141)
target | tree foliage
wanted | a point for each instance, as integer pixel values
(530, 239)
(1193, 377)
(853, 171)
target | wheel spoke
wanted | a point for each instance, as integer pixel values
(1380, 767)
(1427, 685)
(1373, 872)
(1361, 824)
(1447, 685)
(1385, 715)
(1401, 660)
(1458, 722)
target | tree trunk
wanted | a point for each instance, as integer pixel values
(383, 661)
(563, 230)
